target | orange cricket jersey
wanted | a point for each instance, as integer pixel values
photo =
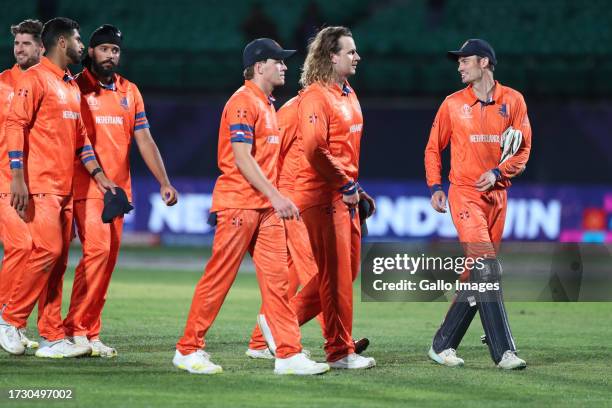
(111, 115)
(248, 117)
(43, 129)
(330, 125)
(8, 79)
(474, 130)
(291, 150)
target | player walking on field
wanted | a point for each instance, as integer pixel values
(14, 233)
(250, 212)
(326, 191)
(113, 112)
(476, 121)
(301, 262)
(44, 131)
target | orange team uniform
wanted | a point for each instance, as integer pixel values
(300, 260)
(246, 221)
(44, 131)
(474, 128)
(329, 128)
(111, 115)
(13, 230)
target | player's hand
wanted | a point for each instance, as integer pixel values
(351, 199)
(104, 183)
(438, 201)
(284, 207)
(486, 181)
(19, 196)
(169, 194)
(365, 196)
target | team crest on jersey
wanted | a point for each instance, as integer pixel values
(503, 110)
(93, 102)
(124, 103)
(466, 111)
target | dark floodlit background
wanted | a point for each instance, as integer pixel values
(185, 55)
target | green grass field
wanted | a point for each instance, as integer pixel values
(567, 347)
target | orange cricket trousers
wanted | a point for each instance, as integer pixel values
(335, 237)
(92, 275)
(261, 233)
(15, 235)
(479, 218)
(302, 267)
(49, 220)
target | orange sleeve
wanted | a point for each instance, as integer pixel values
(520, 120)
(439, 137)
(26, 101)
(313, 124)
(84, 149)
(241, 115)
(140, 120)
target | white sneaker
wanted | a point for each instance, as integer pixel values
(62, 348)
(10, 339)
(259, 354)
(446, 357)
(353, 361)
(299, 364)
(27, 343)
(510, 361)
(99, 349)
(196, 363)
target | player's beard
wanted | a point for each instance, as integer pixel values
(101, 70)
(73, 55)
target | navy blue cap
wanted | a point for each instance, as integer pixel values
(261, 49)
(475, 46)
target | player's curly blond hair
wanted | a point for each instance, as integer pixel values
(318, 65)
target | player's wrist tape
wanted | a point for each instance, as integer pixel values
(349, 188)
(96, 171)
(497, 173)
(435, 187)
(16, 159)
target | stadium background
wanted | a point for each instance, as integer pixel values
(185, 56)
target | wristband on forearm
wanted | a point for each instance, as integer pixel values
(96, 171)
(349, 188)
(497, 173)
(435, 187)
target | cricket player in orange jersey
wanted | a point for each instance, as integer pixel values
(44, 131)
(113, 112)
(326, 191)
(14, 233)
(301, 262)
(474, 122)
(250, 212)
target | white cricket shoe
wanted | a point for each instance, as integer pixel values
(10, 339)
(27, 343)
(299, 364)
(196, 363)
(63, 348)
(510, 361)
(259, 354)
(99, 349)
(353, 361)
(446, 357)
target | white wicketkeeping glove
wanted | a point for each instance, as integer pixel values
(509, 143)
